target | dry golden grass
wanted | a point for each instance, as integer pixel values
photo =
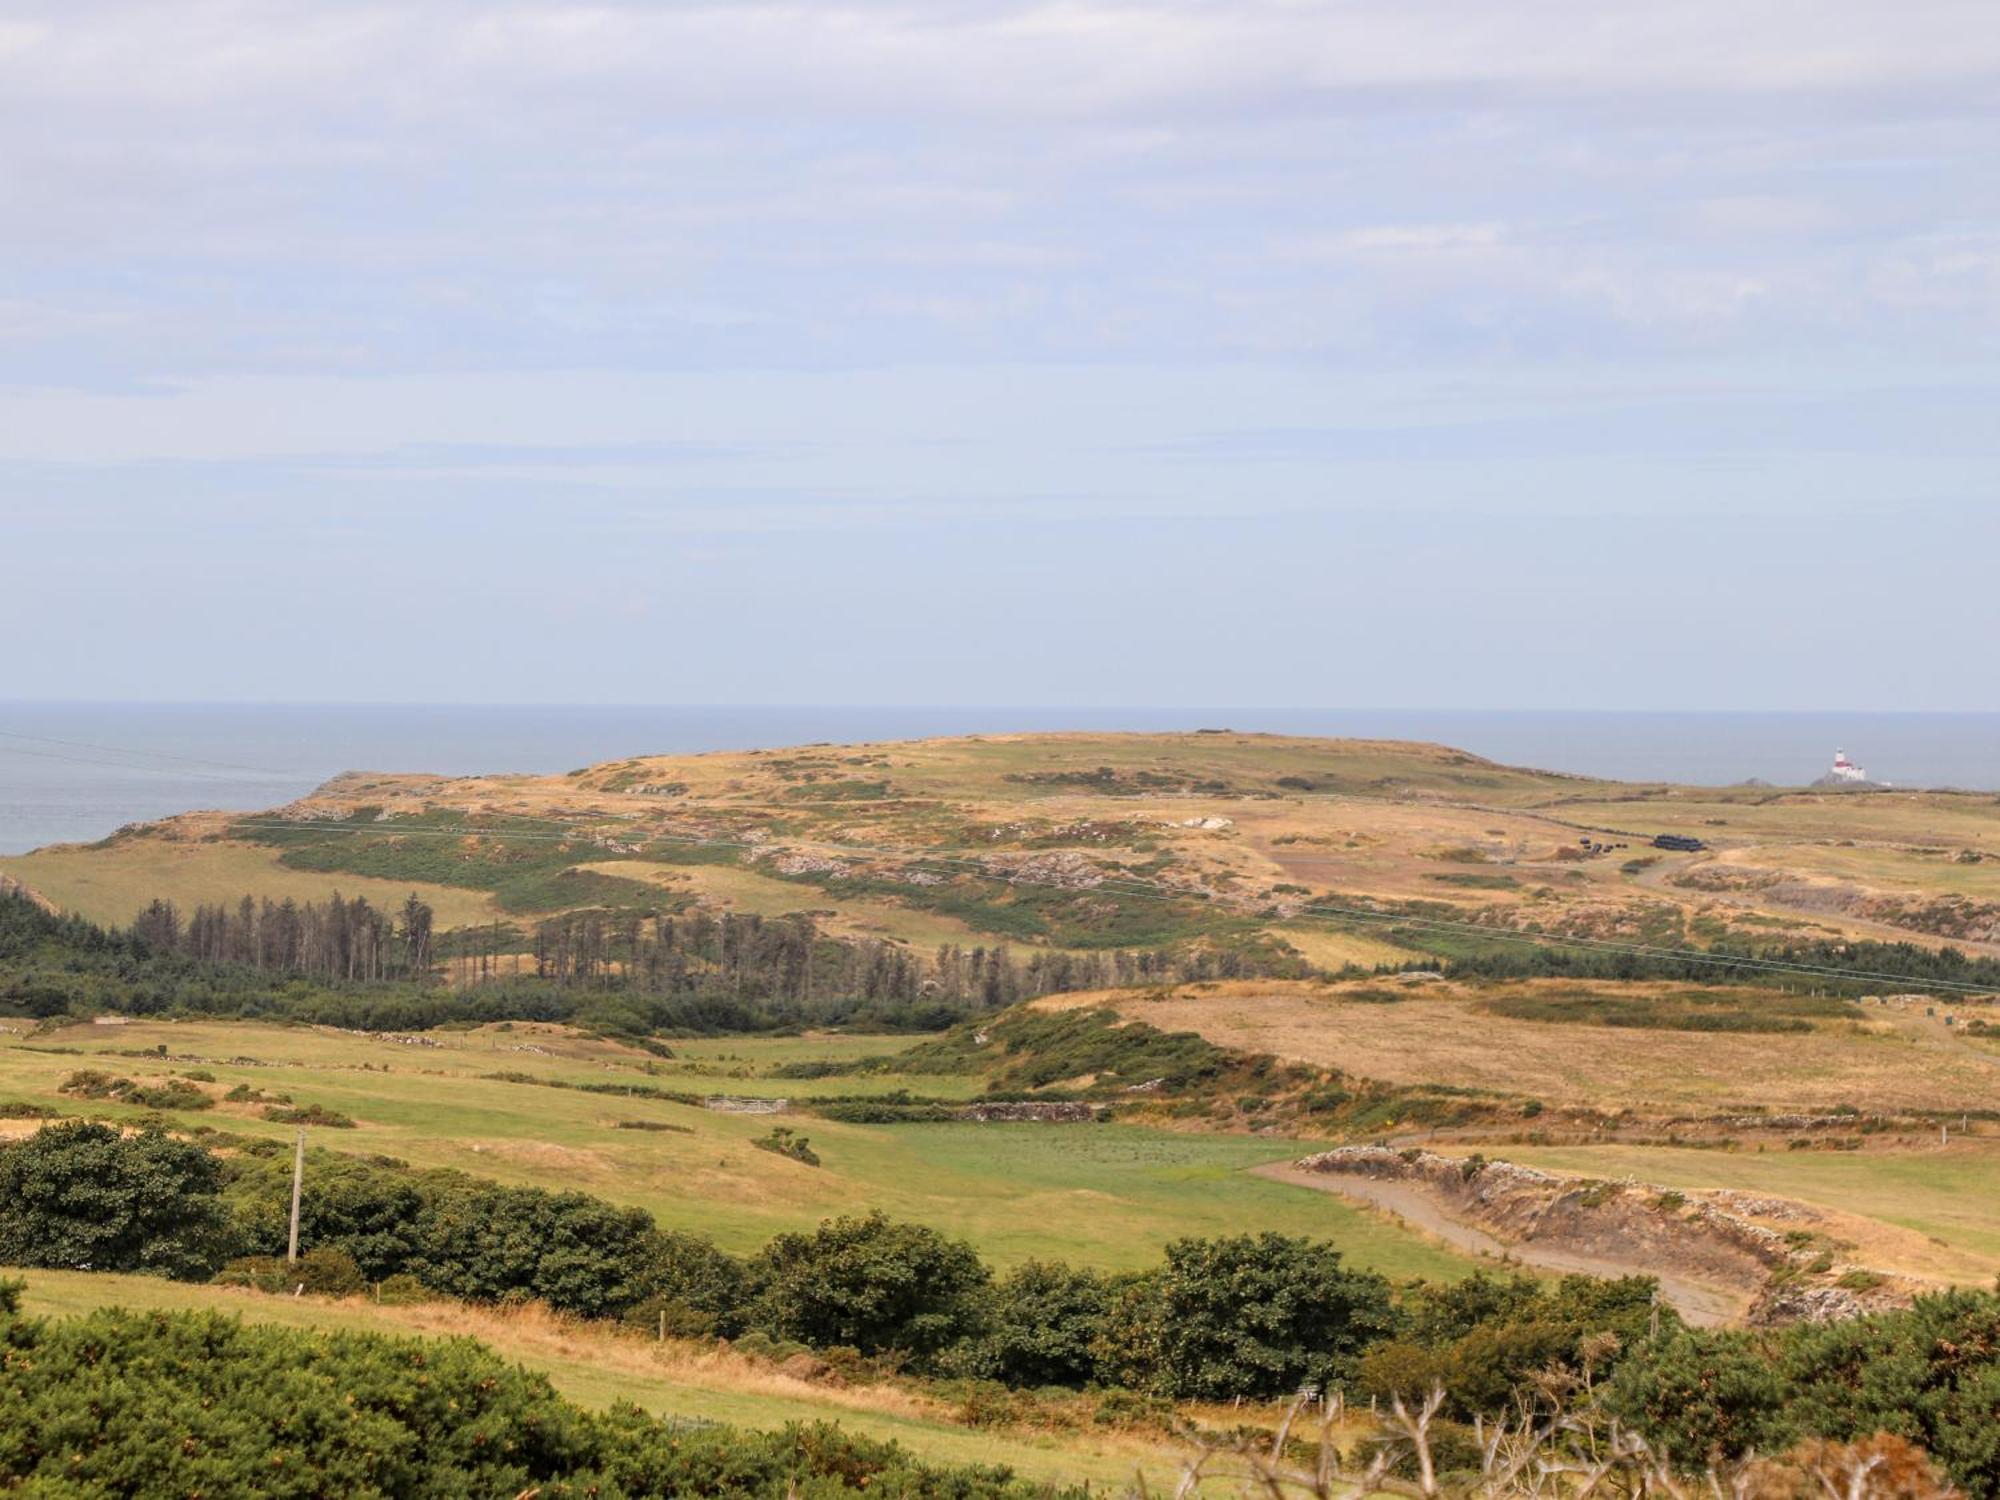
(1894, 1059)
(1360, 818)
(1330, 947)
(113, 884)
(746, 891)
(1905, 1202)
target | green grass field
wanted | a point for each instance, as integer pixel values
(1104, 1195)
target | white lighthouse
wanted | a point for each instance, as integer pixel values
(1845, 769)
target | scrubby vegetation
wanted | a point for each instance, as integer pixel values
(1683, 1010)
(1030, 1049)
(1093, 1053)
(1930, 1374)
(1244, 1316)
(786, 1142)
(1723, 962)
(82, 1196)
(133, 1404)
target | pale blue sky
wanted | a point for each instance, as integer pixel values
(1411, 352)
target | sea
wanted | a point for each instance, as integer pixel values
(73, 772)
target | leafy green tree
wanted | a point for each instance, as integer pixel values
(1042, 1327)
(83, 1196)
(869, 1283)
(1437, 1313)
(367, 1211)
(701, 1289)
(1247, 1316)
(577, 1253)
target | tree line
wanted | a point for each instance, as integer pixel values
(791, 959)
(348, 962)
(349, 940)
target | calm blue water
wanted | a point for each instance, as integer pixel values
(77, 771)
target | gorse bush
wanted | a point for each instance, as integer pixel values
(1930, 1374)
(139, 1405)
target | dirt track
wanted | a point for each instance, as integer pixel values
(1702, 1304)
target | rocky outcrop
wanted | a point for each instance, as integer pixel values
(1063, 869)
(1708, 1237)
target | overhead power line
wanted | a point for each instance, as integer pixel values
(185, 760)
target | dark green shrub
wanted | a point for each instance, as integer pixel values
(576, 1253)
(323, 1273)
(1042, 1327)
(82, 1196)
(142, 1404)
(174, 1093)
(308, 1114)
(872, 1283)
(1704, 1395)
(687, 1276)
(1251, 1316)
(784, 1141)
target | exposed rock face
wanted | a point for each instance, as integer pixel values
(1703, 1236)
(1063, 868)
(808, 864)
(1807, 1304)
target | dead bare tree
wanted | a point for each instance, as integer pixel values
(1547, 1449)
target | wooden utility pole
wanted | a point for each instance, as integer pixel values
(298, 1185)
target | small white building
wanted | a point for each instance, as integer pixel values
(1845, 769)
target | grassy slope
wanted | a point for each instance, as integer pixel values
(1105, 1195)
(596, 1367)
(746, 891)
(1889, 1058)
(1913, 1206)
(111, 885)
(1394, 821)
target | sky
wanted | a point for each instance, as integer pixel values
(1407, 353)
